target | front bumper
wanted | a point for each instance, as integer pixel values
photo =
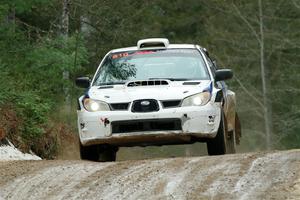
(195, 122)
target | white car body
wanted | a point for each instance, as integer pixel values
(189, 123)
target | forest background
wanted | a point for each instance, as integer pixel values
(46, 44)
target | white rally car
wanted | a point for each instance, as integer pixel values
(156, 93)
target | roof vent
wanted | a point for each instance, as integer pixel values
(153, 43)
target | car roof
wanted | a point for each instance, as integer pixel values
(171, 46)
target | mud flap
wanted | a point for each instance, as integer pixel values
(238, 129)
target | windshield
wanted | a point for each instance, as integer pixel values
(172, 64)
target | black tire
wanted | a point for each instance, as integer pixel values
(217, 145)
(89, 152)
(100, 153)
(231, 142)
(108, 154)
(230, 139)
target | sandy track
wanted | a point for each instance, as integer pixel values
(274, 175)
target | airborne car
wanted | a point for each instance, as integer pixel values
(156, 93)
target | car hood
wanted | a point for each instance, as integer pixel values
(122, 93)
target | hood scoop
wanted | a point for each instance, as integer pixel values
(191, 83)
(147, 83)
(106, 87)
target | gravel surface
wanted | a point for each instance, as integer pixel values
(272, 175)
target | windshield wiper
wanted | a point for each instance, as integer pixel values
(171, 79)
(112, 83)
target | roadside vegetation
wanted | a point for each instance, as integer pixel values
(45, 44)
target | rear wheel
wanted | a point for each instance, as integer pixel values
(218, 145)
(100, 153)
(230, 139)
(231, 144)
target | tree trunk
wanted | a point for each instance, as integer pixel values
(85, 29)
(267, 116)
(65, 18)
(66, 73)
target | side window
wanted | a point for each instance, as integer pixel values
(215, 64)
(210, 64)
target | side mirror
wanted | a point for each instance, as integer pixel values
(83, 82)
(223, 74)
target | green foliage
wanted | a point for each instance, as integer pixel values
(49, 59)
(22, 6)
(32, 63)
(33, 111)
(3, 10)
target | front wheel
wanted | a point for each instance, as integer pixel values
(100, 153)
(108, 153)
(223, 142)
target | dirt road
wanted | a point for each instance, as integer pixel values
(274, 175)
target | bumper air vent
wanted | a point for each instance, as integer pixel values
(119, 106)
(171, 103)
(146, 125)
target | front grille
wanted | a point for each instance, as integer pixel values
(145, 105)
(119, 106)
(146, 125)
(171, 103)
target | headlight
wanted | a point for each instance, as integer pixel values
(93, 105)
(200, 99)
